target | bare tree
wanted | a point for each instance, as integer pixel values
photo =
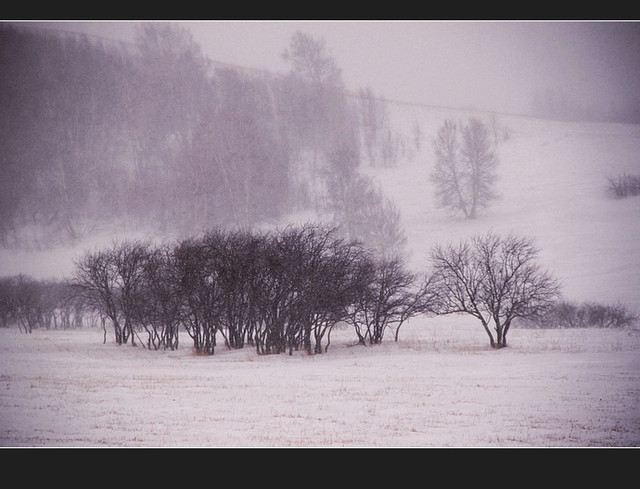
(385, 233)
(362, 211)
(311, 61)
(198, 282)
(320, 119)
(129, 260)
(94, 281)
(464, 173)
(161, 299)
(373, 119)
(391, 297)
(494, 279)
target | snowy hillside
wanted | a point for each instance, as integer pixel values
(552, 181)
(552, 186)
(440, 385)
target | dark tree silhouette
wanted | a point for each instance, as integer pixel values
(494, 279)
(392, 296)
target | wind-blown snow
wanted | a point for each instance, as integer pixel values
(439, 385)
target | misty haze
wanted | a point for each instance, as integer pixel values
(320, 234)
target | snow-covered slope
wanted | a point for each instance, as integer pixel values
(441, 384)
(552, 180)
(552, 186)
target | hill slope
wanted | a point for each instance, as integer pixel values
(441, 385)
(552, 181)
(552, 186)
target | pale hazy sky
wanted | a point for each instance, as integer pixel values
(479, 64)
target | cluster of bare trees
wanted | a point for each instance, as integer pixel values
(47, 304)
(278, 292)
(565, 314)
(286, 290)
(155, 134)
(142, 133)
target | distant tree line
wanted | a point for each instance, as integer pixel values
(155, 134)
(566, 314)
(47, 304)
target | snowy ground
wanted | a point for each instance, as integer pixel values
(440, 385)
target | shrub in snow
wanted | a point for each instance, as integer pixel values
(624, 186)
(564, 314)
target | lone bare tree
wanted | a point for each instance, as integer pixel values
(464, 173)
(494, 279)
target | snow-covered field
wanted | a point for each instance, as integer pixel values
(439, 385)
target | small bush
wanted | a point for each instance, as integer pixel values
(586, 315)
(624, 186)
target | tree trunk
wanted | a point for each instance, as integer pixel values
(486, 328)
(501, 335)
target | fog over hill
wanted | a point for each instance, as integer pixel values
(499, 66)
(552, 184)
(106, 145)
(552, 174)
